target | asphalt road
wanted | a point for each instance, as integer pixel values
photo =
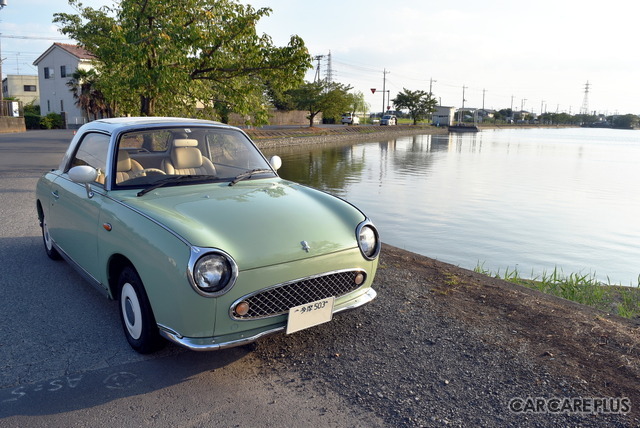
(64, 360)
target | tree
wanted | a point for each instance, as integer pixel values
(330, 99)
(169, 56)
(628, 121)
(357, 102)
(88, 97)
(419, 103)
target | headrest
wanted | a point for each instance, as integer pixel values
(185, 142)
(124, 161)
(186, 157)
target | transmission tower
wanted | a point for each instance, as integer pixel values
(585, 101)
(329, 70)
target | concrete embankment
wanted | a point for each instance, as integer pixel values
(301, 136)
(266, 138)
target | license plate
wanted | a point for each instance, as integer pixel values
(310, 314)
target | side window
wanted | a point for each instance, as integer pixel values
(93, 151)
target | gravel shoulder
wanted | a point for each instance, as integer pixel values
(443, 345)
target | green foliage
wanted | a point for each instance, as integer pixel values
(581, 288)
(32, 121)
(419, 103)
(52, 121)
(357, 103)
(628, 121)
(32, 109)
(330, 99)
(84, 85)
(169, 57)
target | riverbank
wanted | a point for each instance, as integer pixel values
(442, 345)
(266, 138)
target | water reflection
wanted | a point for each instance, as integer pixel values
(532, 199)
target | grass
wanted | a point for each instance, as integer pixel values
(581, 288)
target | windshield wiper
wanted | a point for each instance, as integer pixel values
(248, 174)
(175, 179)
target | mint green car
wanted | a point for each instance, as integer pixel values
(189, 227)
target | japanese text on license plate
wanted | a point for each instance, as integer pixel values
(310, 314)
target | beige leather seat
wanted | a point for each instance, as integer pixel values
(186, 159)
(126, 167)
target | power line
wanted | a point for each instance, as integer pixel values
(6, 36)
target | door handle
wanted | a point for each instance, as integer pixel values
(55, 194)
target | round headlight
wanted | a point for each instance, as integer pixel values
(212, 273)
(368, 241)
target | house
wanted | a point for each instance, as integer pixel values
(21, 87)
(443, 116)
(55, 68)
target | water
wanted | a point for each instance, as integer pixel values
(532, 200)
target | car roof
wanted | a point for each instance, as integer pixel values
(112, 124)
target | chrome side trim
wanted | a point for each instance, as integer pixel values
(212, 343)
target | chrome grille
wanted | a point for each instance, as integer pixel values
(277, 300)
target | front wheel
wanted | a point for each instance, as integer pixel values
(137, 318)
(48, 242)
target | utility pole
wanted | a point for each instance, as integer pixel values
(3, 3)
(431, 82)
(483, 93)
(463, 100)
(384, 86)
(317, 77)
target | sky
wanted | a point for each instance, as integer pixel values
(537, 56)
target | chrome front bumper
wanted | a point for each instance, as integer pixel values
(246, 337)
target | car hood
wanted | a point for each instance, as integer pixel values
(258, 222)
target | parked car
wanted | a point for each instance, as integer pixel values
(350, 119)
(389, 119)
(188, 225)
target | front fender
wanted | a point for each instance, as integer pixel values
(161, 259)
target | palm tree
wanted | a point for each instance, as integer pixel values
(88, 97)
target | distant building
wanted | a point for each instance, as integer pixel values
(55, 68)
(21, 87)
(443, 116)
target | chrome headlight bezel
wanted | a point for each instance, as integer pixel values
(368, 240)
(197, 261)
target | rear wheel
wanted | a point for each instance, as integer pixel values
(48, 242)
(137, 318)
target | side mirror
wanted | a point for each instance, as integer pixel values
(84, 174)
(275, 162)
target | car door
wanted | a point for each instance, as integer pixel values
(74, 214)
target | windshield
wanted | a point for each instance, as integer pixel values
(175, 156)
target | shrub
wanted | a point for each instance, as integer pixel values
(32, 121)
(52, 121)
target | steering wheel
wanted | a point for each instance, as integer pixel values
(143, 172)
